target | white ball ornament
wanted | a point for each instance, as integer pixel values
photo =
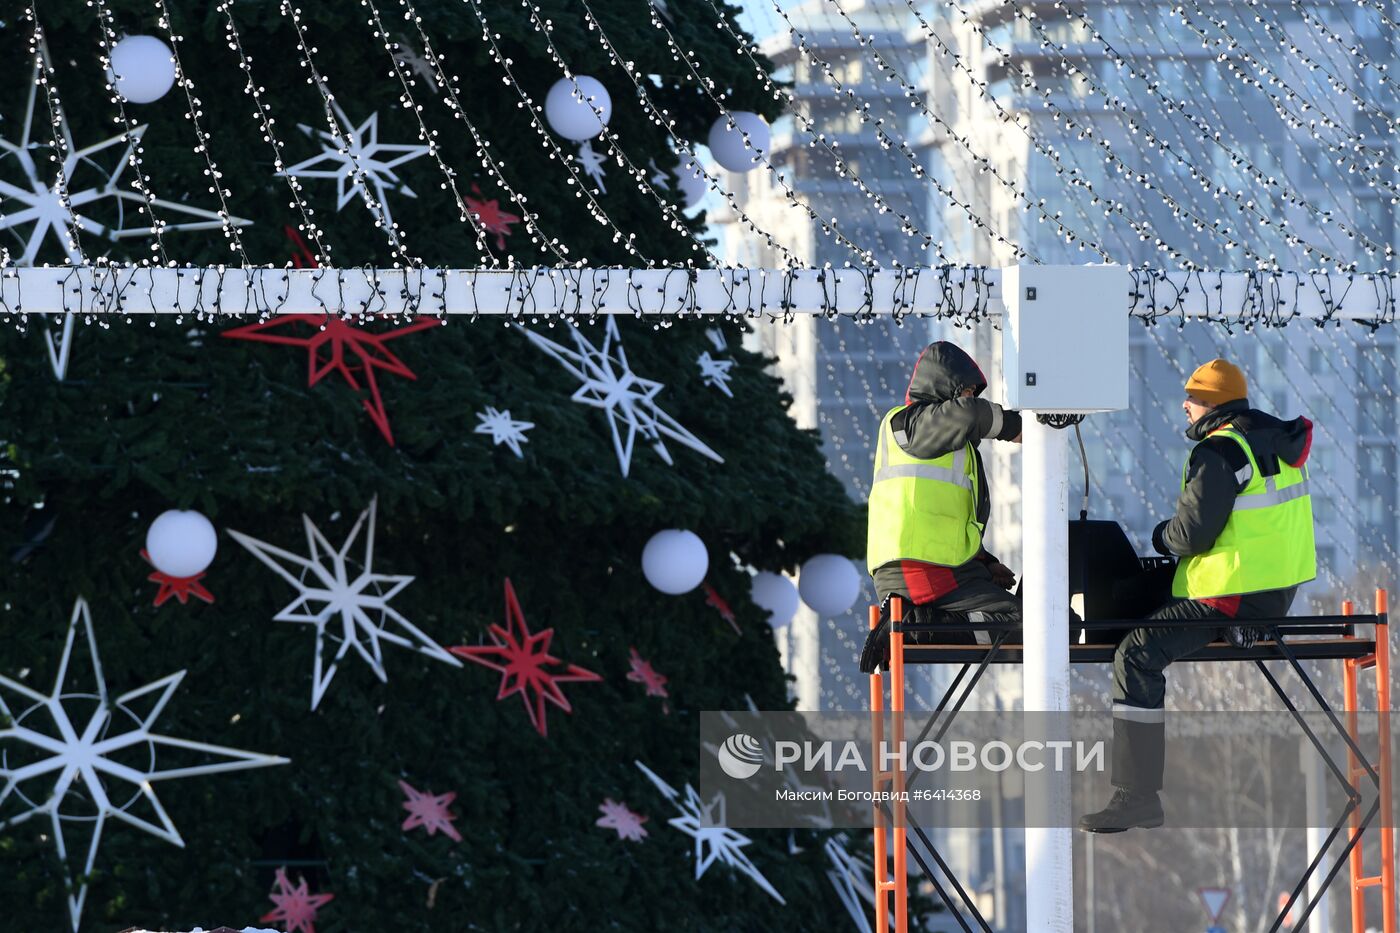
(569, 107)
(143, 69)
(690, 183)
(774, 592)
(729, 146)
(181, 544)
(675, 561)
(829, 584)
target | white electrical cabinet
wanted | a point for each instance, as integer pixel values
(1064, 338)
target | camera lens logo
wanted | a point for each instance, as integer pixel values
(740, 756)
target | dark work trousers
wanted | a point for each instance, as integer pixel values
(980, 599)
(1140, 690)
(1140, 686)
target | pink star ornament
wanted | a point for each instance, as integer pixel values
(616, 816)
(296, 907)
(429, 811)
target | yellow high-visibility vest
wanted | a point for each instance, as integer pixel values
(924, 510)
(1268, 542)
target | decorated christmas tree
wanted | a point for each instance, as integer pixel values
(422, 668)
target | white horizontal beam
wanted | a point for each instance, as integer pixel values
(964, 292)
(542, 291)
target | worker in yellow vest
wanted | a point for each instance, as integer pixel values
(929, 502)
(1243, 536)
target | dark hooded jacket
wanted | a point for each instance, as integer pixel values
(1218, 470)
(937, 421)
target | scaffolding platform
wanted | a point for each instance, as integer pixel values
(1292, 640)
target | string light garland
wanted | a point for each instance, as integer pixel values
(265, 121)
(887, 142)
(429, 137)
(59, 151)
(985, 165)
(533, 110)
(907, 225)
(363, 181)
(193, 113)
(1357, 145)
(639, 175)
(1075, 176)
(1211, 92)
(106, 38)
(687, 155)
(1231, 238)
(449, 85)
(1209, 133)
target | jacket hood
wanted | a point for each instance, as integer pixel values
(1289, 441)
(941, 373)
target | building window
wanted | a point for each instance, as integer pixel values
(1375, 501)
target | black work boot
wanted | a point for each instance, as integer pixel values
(1126, 810)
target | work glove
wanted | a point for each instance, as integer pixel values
(876, 653)
(1002, 575)
(1158, 543)
(1244, 636)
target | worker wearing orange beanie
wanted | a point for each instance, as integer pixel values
(1242, 535)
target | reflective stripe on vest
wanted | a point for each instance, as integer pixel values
(1267, 543)
(922, 510)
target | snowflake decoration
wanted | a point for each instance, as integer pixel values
(716, 372)
(429, 811)
(853, 880)
(819, 814)
(344, 600)
(618, 817)
(592, 162)
(68, 749)
(491, 217)
(714, 842)
(356, 158)
(405, 55)
(503, 429)
(38, 203)
(609, 383)
(522, 656)
(295, 906)
(658, 178)
(717, 339)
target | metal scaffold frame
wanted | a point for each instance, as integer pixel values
(893, 823)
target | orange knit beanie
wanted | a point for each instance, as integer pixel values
(1217, 382)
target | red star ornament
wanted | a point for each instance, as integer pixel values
(522, 657)
(491, 217)
(295, 906)
(337, 346)
(712, 598)
(181, 588)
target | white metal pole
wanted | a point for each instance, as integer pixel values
(1320, 921)
(1045, 673)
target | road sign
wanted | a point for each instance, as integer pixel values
(1214, 900)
